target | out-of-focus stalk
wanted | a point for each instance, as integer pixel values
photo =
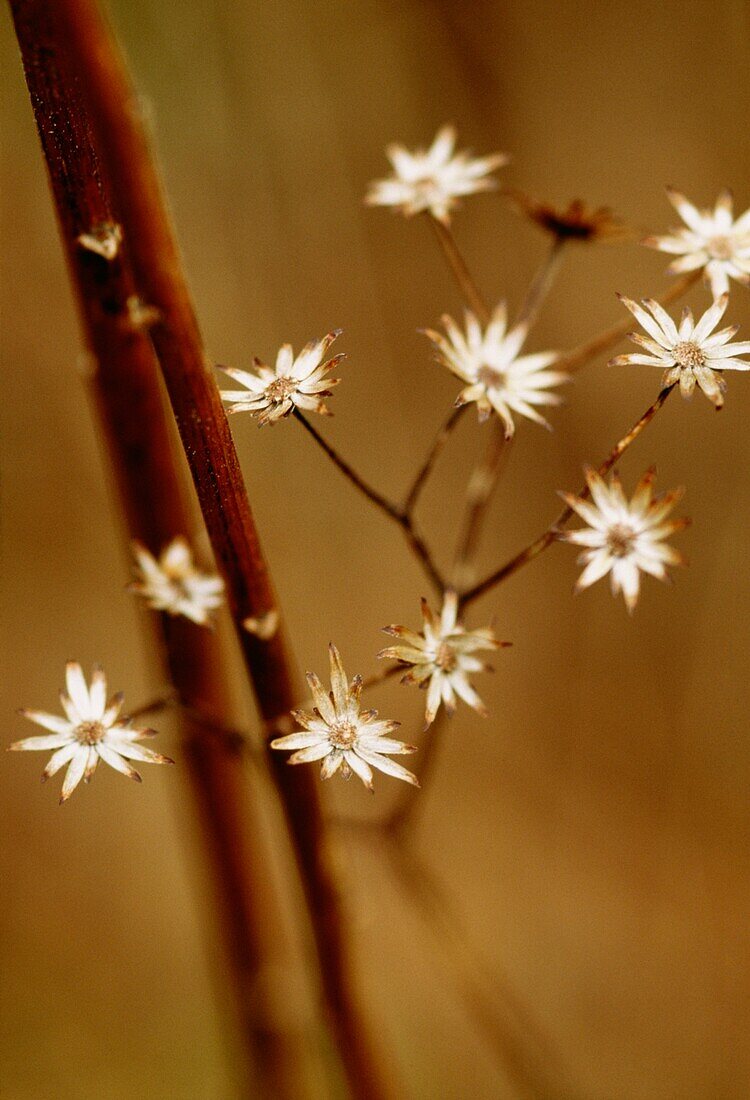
(151, 249)
(131, 415)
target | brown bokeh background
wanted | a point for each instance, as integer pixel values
(593, 832)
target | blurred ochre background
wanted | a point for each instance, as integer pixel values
(594, 830)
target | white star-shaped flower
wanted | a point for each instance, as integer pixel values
(712, 240)
(624, 538)
(300, 382)
(442, 656)
(433, 179)
(497, 376)
(173, 583)
(691, 354)
(92, 730)
(343, 737)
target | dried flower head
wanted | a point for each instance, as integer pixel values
(442, 656)
(624, 538)
(713, 240)
(92, 730)
(343, 737)
(576, 222)
(496, 376)
(433, 179)
(690, 353)
(174, 584)
(301, 383)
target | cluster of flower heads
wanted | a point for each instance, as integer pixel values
(349, 740)
(623, 538)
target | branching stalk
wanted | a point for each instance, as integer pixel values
(401, 516)
(582, 355)
(464, 279)
(534, 549)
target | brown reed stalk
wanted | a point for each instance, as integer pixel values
(151, 249)
(124, 385)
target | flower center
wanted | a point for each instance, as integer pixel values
(90, 733)
(491, 377)
(688, 354)
(445, 658)
(720, 248)
(279, 390)
(343, 734)
(620, 540)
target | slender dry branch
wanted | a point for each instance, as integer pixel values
(542, 283)
(399, 515)
(464, 279)
(149, 242)
(605, 341)
(512, 1036)
(136, 431)
(534, 549)
(441, 438)
(479, 492)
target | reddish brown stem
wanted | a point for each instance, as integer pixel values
(129, 407)
(151, 249)
(610, 337)
(534, 549)
(458, 266)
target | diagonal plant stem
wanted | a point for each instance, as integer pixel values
(204, 431)
(441, 438)
(582, 355)
(138, 438)
(401, 516)
(534, 549)
(464, 279)
(486, 474)
(542, 283)
(479, 492)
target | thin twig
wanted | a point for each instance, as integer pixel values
(466, 284)
(399, 515)
(479, 492)
(513, 1037)
(401, 819)
(138, 437)
(542, 283)
(608, 339)
(441, 438)
(535, 548)
(212, 459)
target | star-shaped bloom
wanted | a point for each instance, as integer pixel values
(497, 376)
(343, 737)
(442, 656)
(624, 537)
(173, 583)
(433, 179)
(92, 730)
(712, 240)
(691, 354)
(297, 382)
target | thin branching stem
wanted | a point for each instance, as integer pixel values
(464, 279)
(151, 246)
(399, 515)
(441, 438)
(542, 283)
(479, 491)
(488, 470)
(582, 355)
(534, 549)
